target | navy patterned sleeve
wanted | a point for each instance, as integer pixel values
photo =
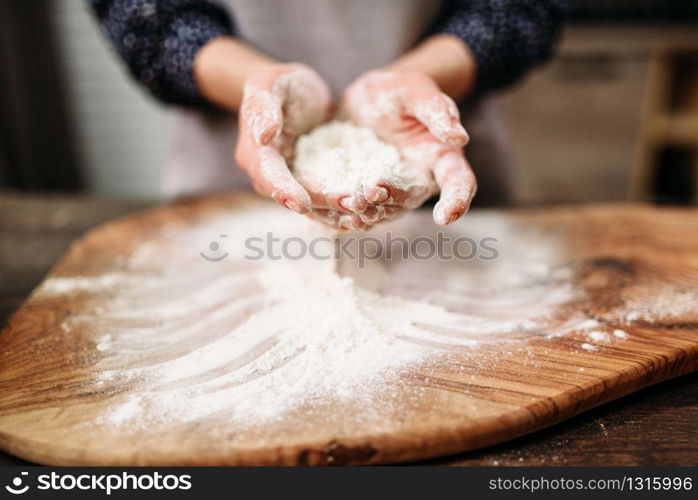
(507, 37)
(158, 40)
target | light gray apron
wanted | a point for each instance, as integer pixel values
(340, 39)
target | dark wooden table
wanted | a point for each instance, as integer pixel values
(657, 426)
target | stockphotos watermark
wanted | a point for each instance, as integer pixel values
(363, 249)
(96, 482)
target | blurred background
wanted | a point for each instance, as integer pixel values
(613, 117)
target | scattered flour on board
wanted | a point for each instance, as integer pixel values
(270, 337)
(598, 336)
(126, 411)
(342, 157)
(620, 334)
(590, 323)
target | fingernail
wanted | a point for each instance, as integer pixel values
(443, 216)
(379, 194)
(260, 126)
(292, 205)
(347, 204)
(359, 203)
(298, 206)
(459, 136)
(440, 214)
(461, 130)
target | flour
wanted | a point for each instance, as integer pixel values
(590, 323)
(104, 342)
(341, 158)
(598, 336)
(620, 334)
(261, 341)
(589, 347)
(126, 411)
(667, 303)
(319, 336)
(58, 286)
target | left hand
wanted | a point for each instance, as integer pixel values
(408, 110)
(280, 102)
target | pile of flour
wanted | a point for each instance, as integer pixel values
(340, 157)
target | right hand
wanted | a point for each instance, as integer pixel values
(280, 102)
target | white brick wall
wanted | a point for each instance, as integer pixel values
(122, 133)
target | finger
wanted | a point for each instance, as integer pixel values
(439, 114)
(275, 179)
(386, 190)
(409, 192)
(381, 213)
(289, 98)
(341, 202)
(348, 203)
(416, 182)
(353, 222)
(377, 191)
(354, 203)
(262, 112)
(458, 185)
(373, 214)
(305, 98)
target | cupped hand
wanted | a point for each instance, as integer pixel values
(408, 110)
(280, 102)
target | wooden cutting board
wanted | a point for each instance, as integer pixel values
(611, 289)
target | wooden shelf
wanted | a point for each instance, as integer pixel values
(670, 122)
(677, 130)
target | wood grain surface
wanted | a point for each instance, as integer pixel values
(619, 260)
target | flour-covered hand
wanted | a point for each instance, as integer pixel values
(280, 102)
(408, 110)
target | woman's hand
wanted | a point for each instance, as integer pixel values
(279, 103)
(275, 103)
(408, 110)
